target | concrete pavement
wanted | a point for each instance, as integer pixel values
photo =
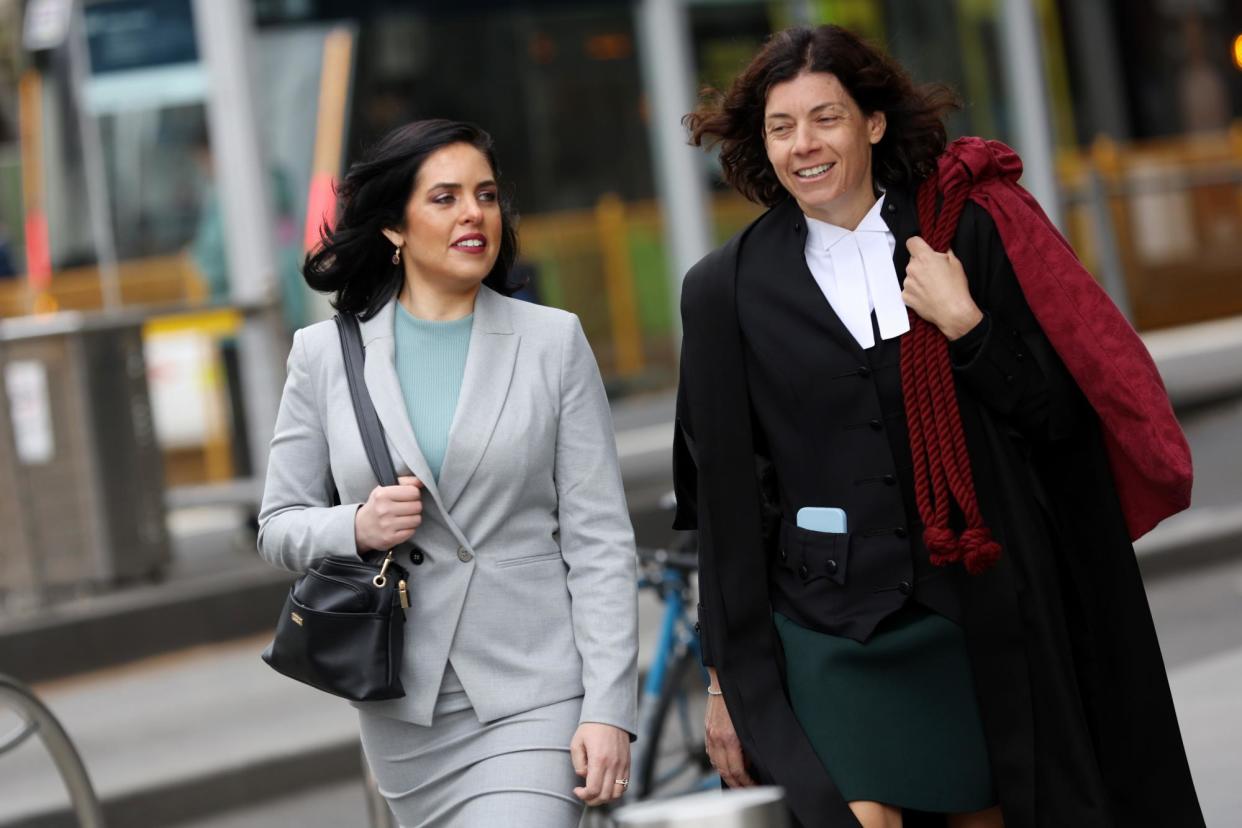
(181, 735)
(1208, 696)
(170, 738)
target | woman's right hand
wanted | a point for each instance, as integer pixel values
(723, 746)
(390, 516)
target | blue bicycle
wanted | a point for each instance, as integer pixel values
(670, 757)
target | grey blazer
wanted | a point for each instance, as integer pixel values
(528, 579)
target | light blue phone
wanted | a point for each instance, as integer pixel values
(822, 519)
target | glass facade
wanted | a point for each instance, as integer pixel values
(558, 87)
(1136, 90)
(1144, 99)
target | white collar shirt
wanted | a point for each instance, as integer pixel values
(854, 269)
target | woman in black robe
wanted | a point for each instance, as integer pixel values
(875, 687)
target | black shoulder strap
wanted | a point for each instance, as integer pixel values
(364, 411)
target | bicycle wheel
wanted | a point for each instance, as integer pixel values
(675, 761)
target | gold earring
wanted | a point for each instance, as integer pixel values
(396, 256)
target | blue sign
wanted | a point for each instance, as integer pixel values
(140, 34)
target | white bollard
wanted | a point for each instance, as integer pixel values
(762, 807)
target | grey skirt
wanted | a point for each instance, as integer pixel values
(462, 773)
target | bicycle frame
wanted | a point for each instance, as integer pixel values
(676, 630)
(677, 641)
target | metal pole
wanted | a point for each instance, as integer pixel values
(802, 12)
(1028, 96)
(224, 29)
(668, 78)
(1112, 271)
(1095, 37)
(99, 207)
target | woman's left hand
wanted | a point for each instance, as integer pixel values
(936, 289)
(601, 754)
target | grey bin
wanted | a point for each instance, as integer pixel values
(79, 462)
(762, 807)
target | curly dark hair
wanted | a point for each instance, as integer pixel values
(354, 260)
(915, 133)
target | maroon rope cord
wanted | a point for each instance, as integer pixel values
(937, 441)
(941, 541)
(914, 425)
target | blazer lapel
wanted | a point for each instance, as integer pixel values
(902, 219)
(790, 252)
(484, 388)
(385, 388)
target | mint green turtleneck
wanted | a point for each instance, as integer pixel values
(431, 360)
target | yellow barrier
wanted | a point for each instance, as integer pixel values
(1175, 208)
(159, 280)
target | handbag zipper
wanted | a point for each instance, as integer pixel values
(404, 592)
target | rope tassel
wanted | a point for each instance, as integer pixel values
(942, 473)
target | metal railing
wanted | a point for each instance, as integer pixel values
(36, 718)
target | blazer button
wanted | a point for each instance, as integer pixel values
(463, 554)
(900, 531)
(804, 572)
(831, 566)
(417, 556)
(904, 588)
(876, 425)
(864, 371)
(889, 480)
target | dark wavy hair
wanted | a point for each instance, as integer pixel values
(915, 132)
(354, 259)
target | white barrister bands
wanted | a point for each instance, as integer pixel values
(854, 269)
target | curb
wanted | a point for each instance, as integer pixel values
(1196, 538)
(180, 801)
(1193, 540)
(1199, 363)
(143, 622)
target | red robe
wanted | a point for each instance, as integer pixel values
(1147, 450)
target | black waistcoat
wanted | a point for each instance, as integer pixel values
(832, 423)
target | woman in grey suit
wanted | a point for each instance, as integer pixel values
(521, 638)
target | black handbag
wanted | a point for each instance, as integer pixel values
(342, 629)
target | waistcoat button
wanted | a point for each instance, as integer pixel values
(463, 554)
(864, 371)
(831, 567)
(804, 572)
(904, 588)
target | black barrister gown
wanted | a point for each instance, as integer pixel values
(1071, 685)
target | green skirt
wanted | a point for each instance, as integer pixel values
(893, 720)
